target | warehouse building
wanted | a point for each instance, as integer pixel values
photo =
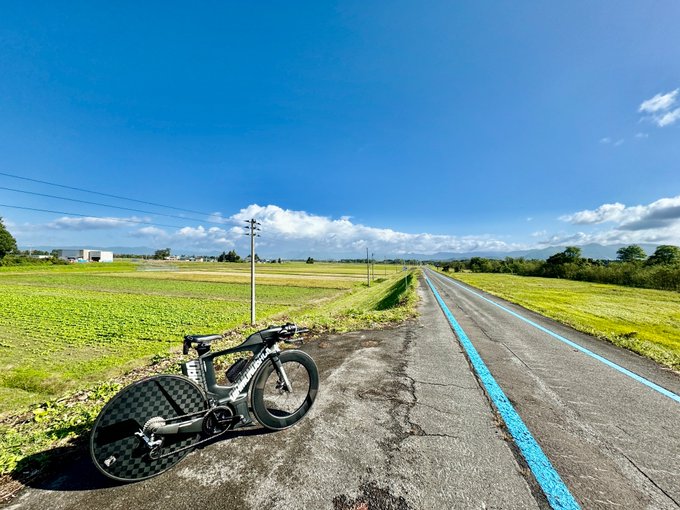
(85, 255)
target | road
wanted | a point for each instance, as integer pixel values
(400, 423)
(614, 441)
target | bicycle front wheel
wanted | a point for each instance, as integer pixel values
(277, 407)
(115, 448)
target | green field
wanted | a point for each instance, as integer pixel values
(69, 334)
(62, 327)
(642, 320)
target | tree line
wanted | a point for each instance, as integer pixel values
(633, 267)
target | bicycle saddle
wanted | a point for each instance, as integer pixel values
(202, 342)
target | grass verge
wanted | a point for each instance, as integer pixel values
(644, 321)
(32, 441)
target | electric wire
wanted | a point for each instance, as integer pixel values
(107, 205)
(140, 222)
(103, 194)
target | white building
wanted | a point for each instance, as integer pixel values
(85, 255)
(101, 256)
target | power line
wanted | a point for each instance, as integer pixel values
(140, 222)
(106, 205)
(103, 194)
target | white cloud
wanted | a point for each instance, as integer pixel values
(608, 141)
(151, 232)
(295, 233)
(666, 235)
(606, 212)
(217, 217)
(641, 135)
(202, 238)
(667, 118)
(659, 109)
(656, 222)
(93, 223)
(290, 231)
(659, 213)
(659, 102)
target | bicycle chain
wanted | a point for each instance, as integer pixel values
(195, 445)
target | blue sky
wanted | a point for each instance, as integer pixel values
(401, 126)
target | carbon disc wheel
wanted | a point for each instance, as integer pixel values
(118, 452)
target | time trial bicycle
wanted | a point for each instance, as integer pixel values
(150, 425)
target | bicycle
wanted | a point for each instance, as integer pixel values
(150, 425)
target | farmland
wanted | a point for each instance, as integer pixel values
(71, 336)
(63, 327)
(642, 320)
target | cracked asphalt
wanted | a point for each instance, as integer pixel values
(400, 423)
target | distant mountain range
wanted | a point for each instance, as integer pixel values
(593, 251)
(589, 251)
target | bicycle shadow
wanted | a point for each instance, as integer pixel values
(70, 468)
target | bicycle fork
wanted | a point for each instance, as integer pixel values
(283, 378)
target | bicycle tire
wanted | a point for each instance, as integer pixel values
(275, 408)
(114, 448)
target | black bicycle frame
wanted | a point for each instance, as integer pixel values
(262, 344)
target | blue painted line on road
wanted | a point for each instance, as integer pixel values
(590, 353)
(551, 484)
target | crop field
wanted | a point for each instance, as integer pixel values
(62, 327)
(71, 336)
(642, 320)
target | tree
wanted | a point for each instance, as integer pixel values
(570, 254)
(161, 254)
(665, 254)
(310, 260)
(232, 256)
(632, 253)
(7, 242)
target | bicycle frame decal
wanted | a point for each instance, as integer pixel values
(245, 377)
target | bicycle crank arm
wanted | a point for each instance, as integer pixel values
(186, 427)
(236, 418)
(193, 426)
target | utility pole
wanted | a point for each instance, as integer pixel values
(253, 227)
(372, 267)
(368, 269)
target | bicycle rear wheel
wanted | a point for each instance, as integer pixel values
(118, 452)
(273, 405)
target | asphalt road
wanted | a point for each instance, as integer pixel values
(400, 423)
(614, 441)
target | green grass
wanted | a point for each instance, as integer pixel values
(69, 337)
(642, 320)
(389, 301)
